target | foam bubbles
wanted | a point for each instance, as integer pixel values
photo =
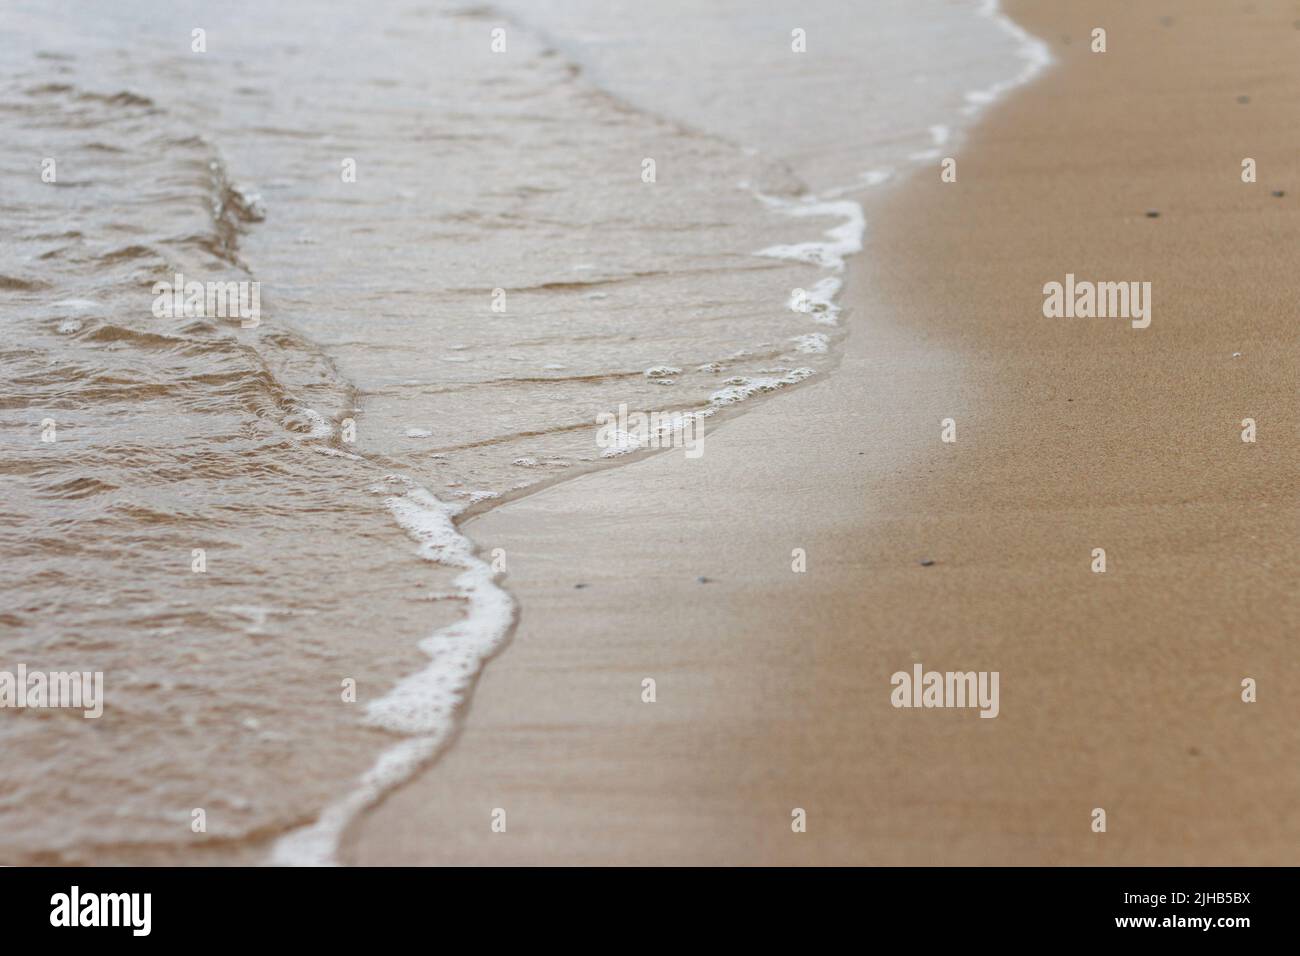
(422, 705)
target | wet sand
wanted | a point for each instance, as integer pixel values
(1119, 690)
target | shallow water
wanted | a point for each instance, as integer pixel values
(319, 458)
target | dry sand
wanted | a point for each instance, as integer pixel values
(1118, 690)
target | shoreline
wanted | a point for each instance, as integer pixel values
(454, 665)
(772, 687)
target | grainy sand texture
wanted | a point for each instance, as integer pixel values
(1120, 691)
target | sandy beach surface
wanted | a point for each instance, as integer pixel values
(1119, 690)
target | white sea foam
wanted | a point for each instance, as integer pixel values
(838, 242)
(661, 433)
(846, 239)
(812, 342)
(742, 387)
(1036, 54)
(734, 390)
(321, 427)
(424, 704)
(819, 301)
(939, 135)
(829, 252)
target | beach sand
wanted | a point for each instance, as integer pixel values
(1119, 691)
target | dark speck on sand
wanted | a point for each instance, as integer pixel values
(927, 562)
(1153, 213)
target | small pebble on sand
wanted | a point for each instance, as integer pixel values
(581, 585)
(1153, 213)
(927, 562)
